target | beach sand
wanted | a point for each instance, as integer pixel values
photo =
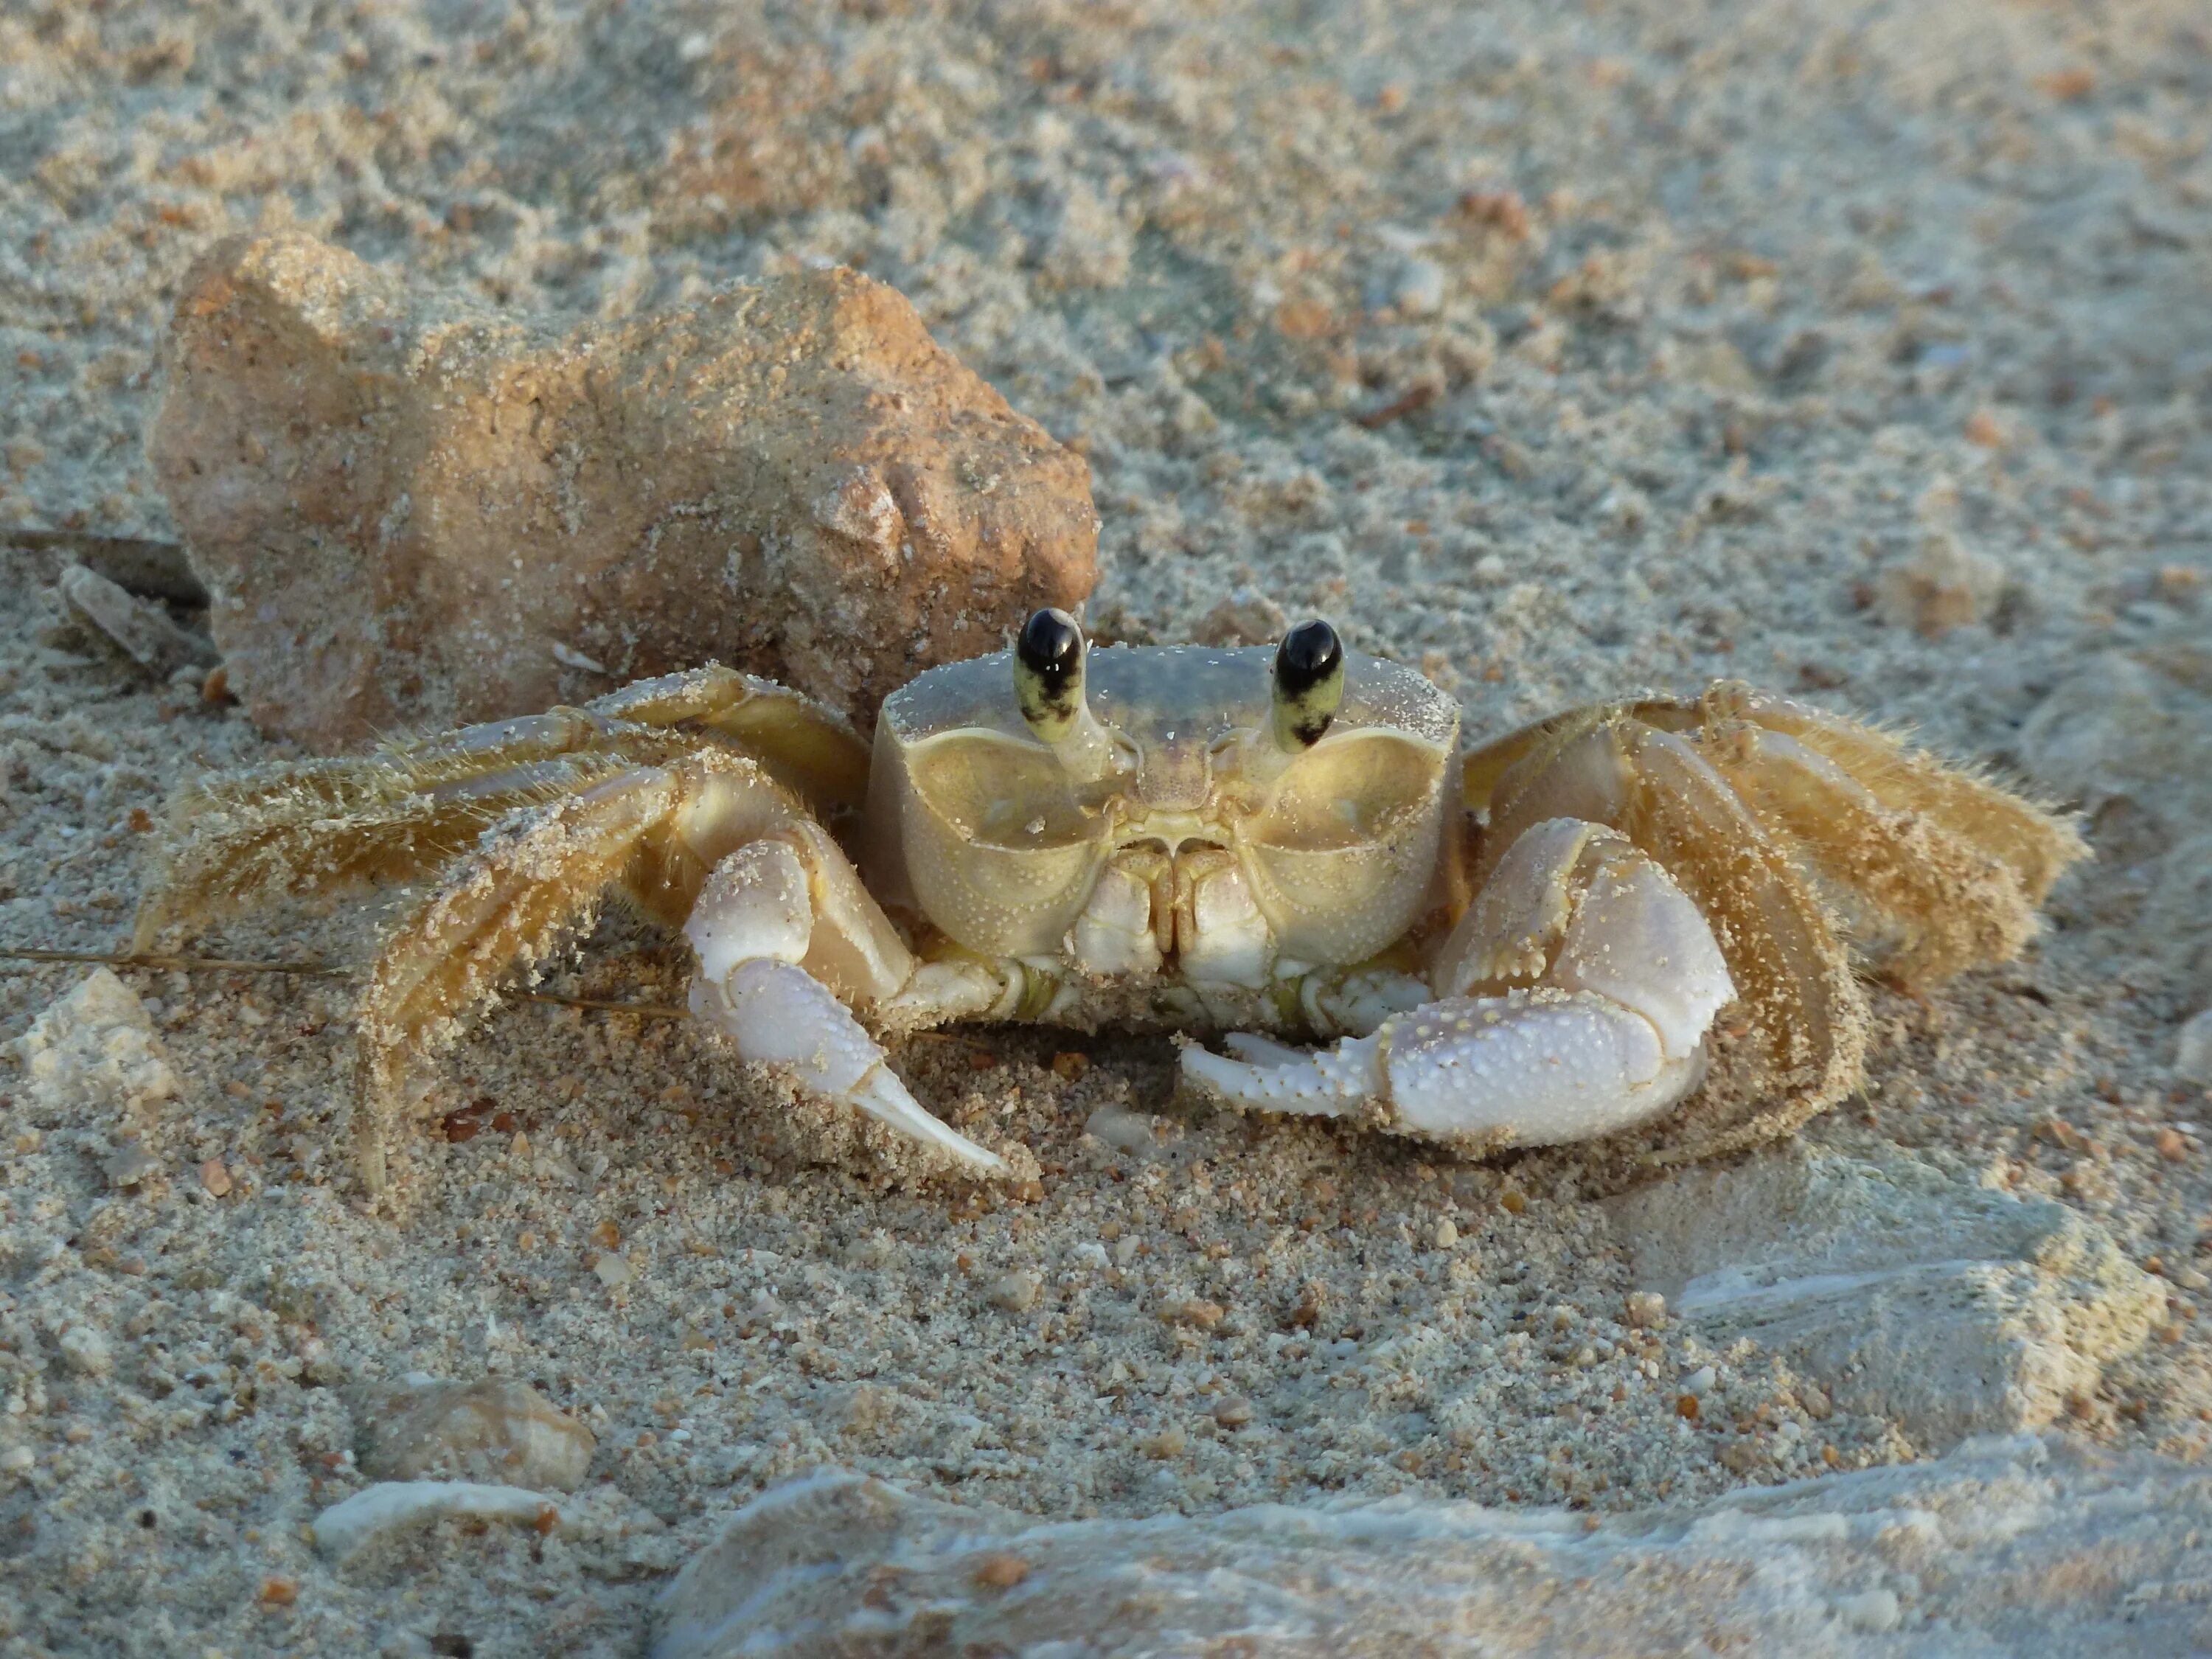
(1857, 350)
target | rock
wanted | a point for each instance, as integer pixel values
(94, 1054)
(1944, 584)
(138, 628)
(410, 508)
(128, 1164)
(2005, 1546)
(490, 1430)
(1951, 1309)
(1014, 1292)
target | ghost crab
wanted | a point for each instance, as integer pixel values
(1527, 942)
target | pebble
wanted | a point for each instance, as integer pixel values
(501, 1431)
(1447, 1233)
(214, 1177)
(1700, 1382)
(1233, 1411)
(1016, 1292)
(1420, 289)
(87, 1351)
(92, 1054)
(129, 1164)
(1646, 1309)
(1171, 1442)
(1196, 1313)
(614, 1270)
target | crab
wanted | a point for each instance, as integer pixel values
(1543, 938)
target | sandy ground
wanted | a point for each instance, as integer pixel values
(1855, 350)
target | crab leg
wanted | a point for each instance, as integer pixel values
(786, 936)
(1579, 989)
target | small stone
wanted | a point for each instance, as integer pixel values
(1945, 585)
(214, 1177)
(1123, 1130)
(1420, 289)
(1514, 1202)
(1233, 1411)
(18, 1460)
(1646, 1309)
(792, 478)
(1686, 1405)
(1447, 1233)
(1700, 1382)
(1070, 1066)
(94, 1054)
(1814, 1399)
(1196, 1313)
(493, 1430)
(1016, 1292)
(614, 1270)
(1089, 1254)
(1000, 1570)
(87, 1351)
(279, 1592)
(1168, 1442)
(2173, 1146)
(129, 1164)
(1739, 1457)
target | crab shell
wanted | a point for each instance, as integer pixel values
(976, 825)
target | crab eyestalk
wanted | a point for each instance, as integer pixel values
(1309, 685)
(1049, 660)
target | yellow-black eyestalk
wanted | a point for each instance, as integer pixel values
(1309, 684)
(1048, 675)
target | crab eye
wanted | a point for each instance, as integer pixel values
(1309, 683)
(1048, 674)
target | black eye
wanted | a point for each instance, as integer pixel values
(1309, 683)
(1310, 653)
(1048, 674)
(1051, 645)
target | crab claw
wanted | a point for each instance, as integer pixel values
(1611, 1033)
(1532, 1067)
(778, 1014)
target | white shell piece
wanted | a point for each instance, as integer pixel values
(1638, 940)
(778, 1015)
(754, 904)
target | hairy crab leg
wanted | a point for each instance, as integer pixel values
(1577, 998)
(786, 936)
(531, 880)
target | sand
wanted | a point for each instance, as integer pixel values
(1854, 351)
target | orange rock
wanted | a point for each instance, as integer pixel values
(412, 509)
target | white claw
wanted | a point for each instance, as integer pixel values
(1612, 1035)
(780, 1015)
